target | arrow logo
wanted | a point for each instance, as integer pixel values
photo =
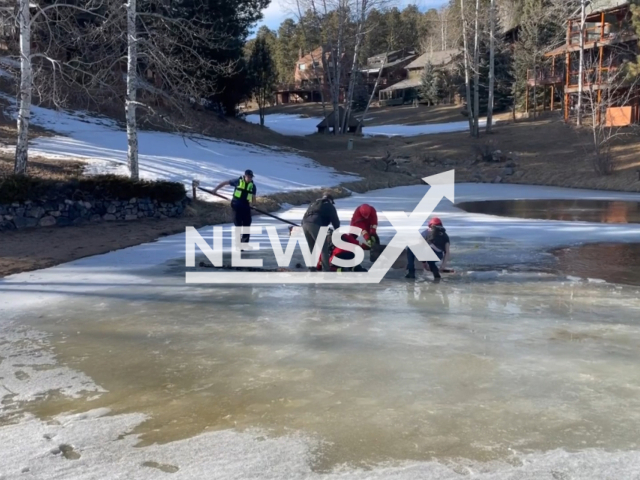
(407, 235)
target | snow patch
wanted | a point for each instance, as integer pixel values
(166, 156)
(295, 125)
(29, 370)
(104, 447)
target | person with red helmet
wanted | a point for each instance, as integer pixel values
(437, 238)
(366, 219)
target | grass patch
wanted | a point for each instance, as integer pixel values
(20, 188)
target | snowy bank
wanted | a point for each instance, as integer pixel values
(172, 157)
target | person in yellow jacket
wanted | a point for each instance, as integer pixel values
(244, 196)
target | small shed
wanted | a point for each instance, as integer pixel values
(329, 122)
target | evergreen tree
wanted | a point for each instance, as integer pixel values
(262, 74)
(288, 46)
(429, 85)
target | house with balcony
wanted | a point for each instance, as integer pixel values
(609, 42)
(386, 69)
(406, 90)
(311, 81)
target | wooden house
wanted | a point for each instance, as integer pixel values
(311, 82)
(393, 69)
(406, 91)
(609, 42)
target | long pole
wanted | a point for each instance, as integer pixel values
(210, 192)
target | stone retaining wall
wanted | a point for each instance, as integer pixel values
(63, 212)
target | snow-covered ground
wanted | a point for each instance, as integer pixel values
(504, 376)
(287, 124)
(172, 157)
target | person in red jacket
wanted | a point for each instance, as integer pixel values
(344, 255)
(366, 219)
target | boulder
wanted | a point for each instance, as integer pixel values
(95, 218)
(111, 209)
(7, 226)
(131, 217)
(25, 222)
(109, 217)
(498, 179)
(63, 222)
(47, 221)
(508, 171)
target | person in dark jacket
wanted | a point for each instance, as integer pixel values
(437, 238)
(244, 196)
(321, 213)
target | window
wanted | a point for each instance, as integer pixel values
(302, 66)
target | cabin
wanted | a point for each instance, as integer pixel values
(328, 124)
(386, 69)
(407, 90)
(609, 42)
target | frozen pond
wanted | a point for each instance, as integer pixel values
(604, 211)
(503, 374)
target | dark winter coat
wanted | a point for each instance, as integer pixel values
(322, 213)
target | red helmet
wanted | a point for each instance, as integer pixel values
(435, 221)
(366, 210)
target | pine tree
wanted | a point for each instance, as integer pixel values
(262, 74)
(429, 85)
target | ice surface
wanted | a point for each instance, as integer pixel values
(490, 374)
(172, 157)
(288, 124)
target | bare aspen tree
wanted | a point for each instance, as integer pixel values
(603, 95)
(492, 49)
(465, 53)
(132, 89)
(24, 111)
(166, 75)
(52, 64)
(375, 87)
(476, 73)
(362, 9)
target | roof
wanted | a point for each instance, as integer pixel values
(316, 55)
(443, 57)
(329, 120)
(408, 83)
(390, 64)
(596, 6)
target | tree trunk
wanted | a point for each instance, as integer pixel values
(581, 65)
(535, 91)
(476, 74)
(366, 110)
(132, 80)
(492, 47)
(467, 82)
(26, 81)
(354, 63)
